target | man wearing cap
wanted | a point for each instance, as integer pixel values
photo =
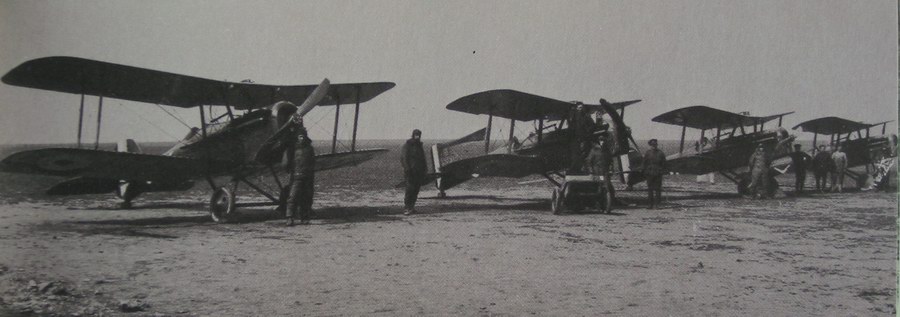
(821, 165)
(582, 126)
(413, 160)
(303, 180)
(759, 171)
(801, 162)
(654, 166)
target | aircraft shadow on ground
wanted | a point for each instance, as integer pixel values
(487, 197)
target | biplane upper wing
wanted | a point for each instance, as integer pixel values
(521, 106)
(705, 118)
(511, 104)
(110, 165)
(90, 77)
(831, 125)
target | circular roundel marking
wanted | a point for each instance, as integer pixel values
(62, 163)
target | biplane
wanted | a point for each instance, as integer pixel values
(545, 151)
(862, 148)
(225, 146)
(734, 141)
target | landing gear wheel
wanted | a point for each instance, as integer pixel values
(442, 194)
(556, 202)
(221, 206)
(605, 201)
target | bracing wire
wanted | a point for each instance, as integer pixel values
(148, 121)
(173, 116)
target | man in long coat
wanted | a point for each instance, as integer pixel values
(414, 168)
(654, 166)
(303, 181)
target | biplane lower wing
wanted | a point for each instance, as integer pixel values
(691, 164)
(494, 165)
(86, 185)
(345, 159)
(94, 164)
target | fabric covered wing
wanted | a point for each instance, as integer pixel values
(830, 125)
(90, 77)
(705, 118)
(83, 186)
(496, 165)
(691, 164)
(345, 159)
(511, 104)
(110, 165)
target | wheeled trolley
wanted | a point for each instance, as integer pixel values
(578, 192)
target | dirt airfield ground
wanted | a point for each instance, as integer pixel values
(483, 251)
(492, 248)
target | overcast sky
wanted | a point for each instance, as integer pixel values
(818, 58)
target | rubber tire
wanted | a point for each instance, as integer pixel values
(556, 202)
(222, 207)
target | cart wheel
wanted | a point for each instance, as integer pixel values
(604, 202)
(221, 206)
(556, 202)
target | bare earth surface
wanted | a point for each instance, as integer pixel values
(483, 251)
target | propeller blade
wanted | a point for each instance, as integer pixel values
(314, 98)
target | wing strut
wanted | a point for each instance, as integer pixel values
(80, 119)
(540, 135)
(99, 116)
(512, 126)
(487, 134)
(337, 115)
(355, 121)
(681, 147)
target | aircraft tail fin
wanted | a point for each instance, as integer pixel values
(463, 148)
(129, 146)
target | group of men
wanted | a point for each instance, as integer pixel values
(826, 162)
(301, 162)
(591, 152)
(592, 143)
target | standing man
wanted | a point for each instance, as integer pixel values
(821, 165)
(759, 171)
(582, 126)
(413, 160)
(654, 167)
(801, 161)
(303, 182)
(599, 160)
(840, 167)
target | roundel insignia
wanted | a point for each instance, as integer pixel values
(62, 163)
